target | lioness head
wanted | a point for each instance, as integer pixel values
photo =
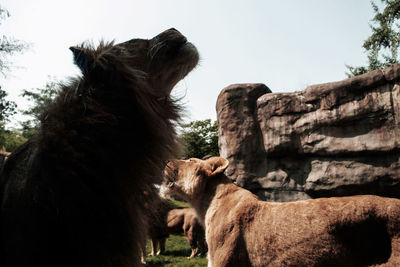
(161, 61)
(187, 178)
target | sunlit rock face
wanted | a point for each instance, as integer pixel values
(332, 139)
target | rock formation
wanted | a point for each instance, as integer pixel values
(332, 139)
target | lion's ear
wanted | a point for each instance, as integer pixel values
(83, 59)
(218, 165)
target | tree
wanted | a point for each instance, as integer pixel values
(200, 139)
(9, 139)
(8, 46)
(40, 97)
(7, 108)
(383, 45)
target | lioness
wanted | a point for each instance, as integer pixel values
(244, 231)
(163, 221)
(71, 195)
(185, 221)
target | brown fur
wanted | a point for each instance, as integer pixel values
(71, 195)
(156, 216)
(162, 221)
(185, 221)
(244, 231)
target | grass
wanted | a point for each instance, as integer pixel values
(177, 251)
(177, 204)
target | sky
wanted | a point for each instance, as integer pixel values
(286, 44)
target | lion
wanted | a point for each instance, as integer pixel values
(156, 217)
(70, 196)
(163, 220)
(242, 230)
(185, 221)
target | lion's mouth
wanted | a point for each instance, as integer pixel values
(167, 45)
(172, 57)
(177, 44)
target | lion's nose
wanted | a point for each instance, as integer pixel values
(173, 29)
(170, 34)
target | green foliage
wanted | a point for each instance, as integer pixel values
(40, 98)
(200, 139)
(177, 251)
(7, 108)
(10, 139)
(8, 46)
(383, 44)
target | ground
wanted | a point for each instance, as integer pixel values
(177, 251)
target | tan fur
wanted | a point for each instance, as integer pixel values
(185, 221)
(244, 231)
(162, 220)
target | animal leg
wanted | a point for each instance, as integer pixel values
(143, 256)
(189, 237)
(202, 245)
(209, 264)
(162, 246)
(194, 253)
(193, 245)
(153, 246)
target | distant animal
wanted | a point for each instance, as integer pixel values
(244, 231)
(156, 216)
(162, 220)
(185, 221)
(70, 196)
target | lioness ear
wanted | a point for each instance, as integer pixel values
(218, 165)
(82, 59)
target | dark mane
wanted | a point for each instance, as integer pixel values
(93, 128)
(73, 193)
(120, 104)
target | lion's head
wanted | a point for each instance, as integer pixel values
(187, 178)
(123, 99)
(161, 61)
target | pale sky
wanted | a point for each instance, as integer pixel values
(286, 44)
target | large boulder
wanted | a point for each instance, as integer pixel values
(332, 139)
(238, 131)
